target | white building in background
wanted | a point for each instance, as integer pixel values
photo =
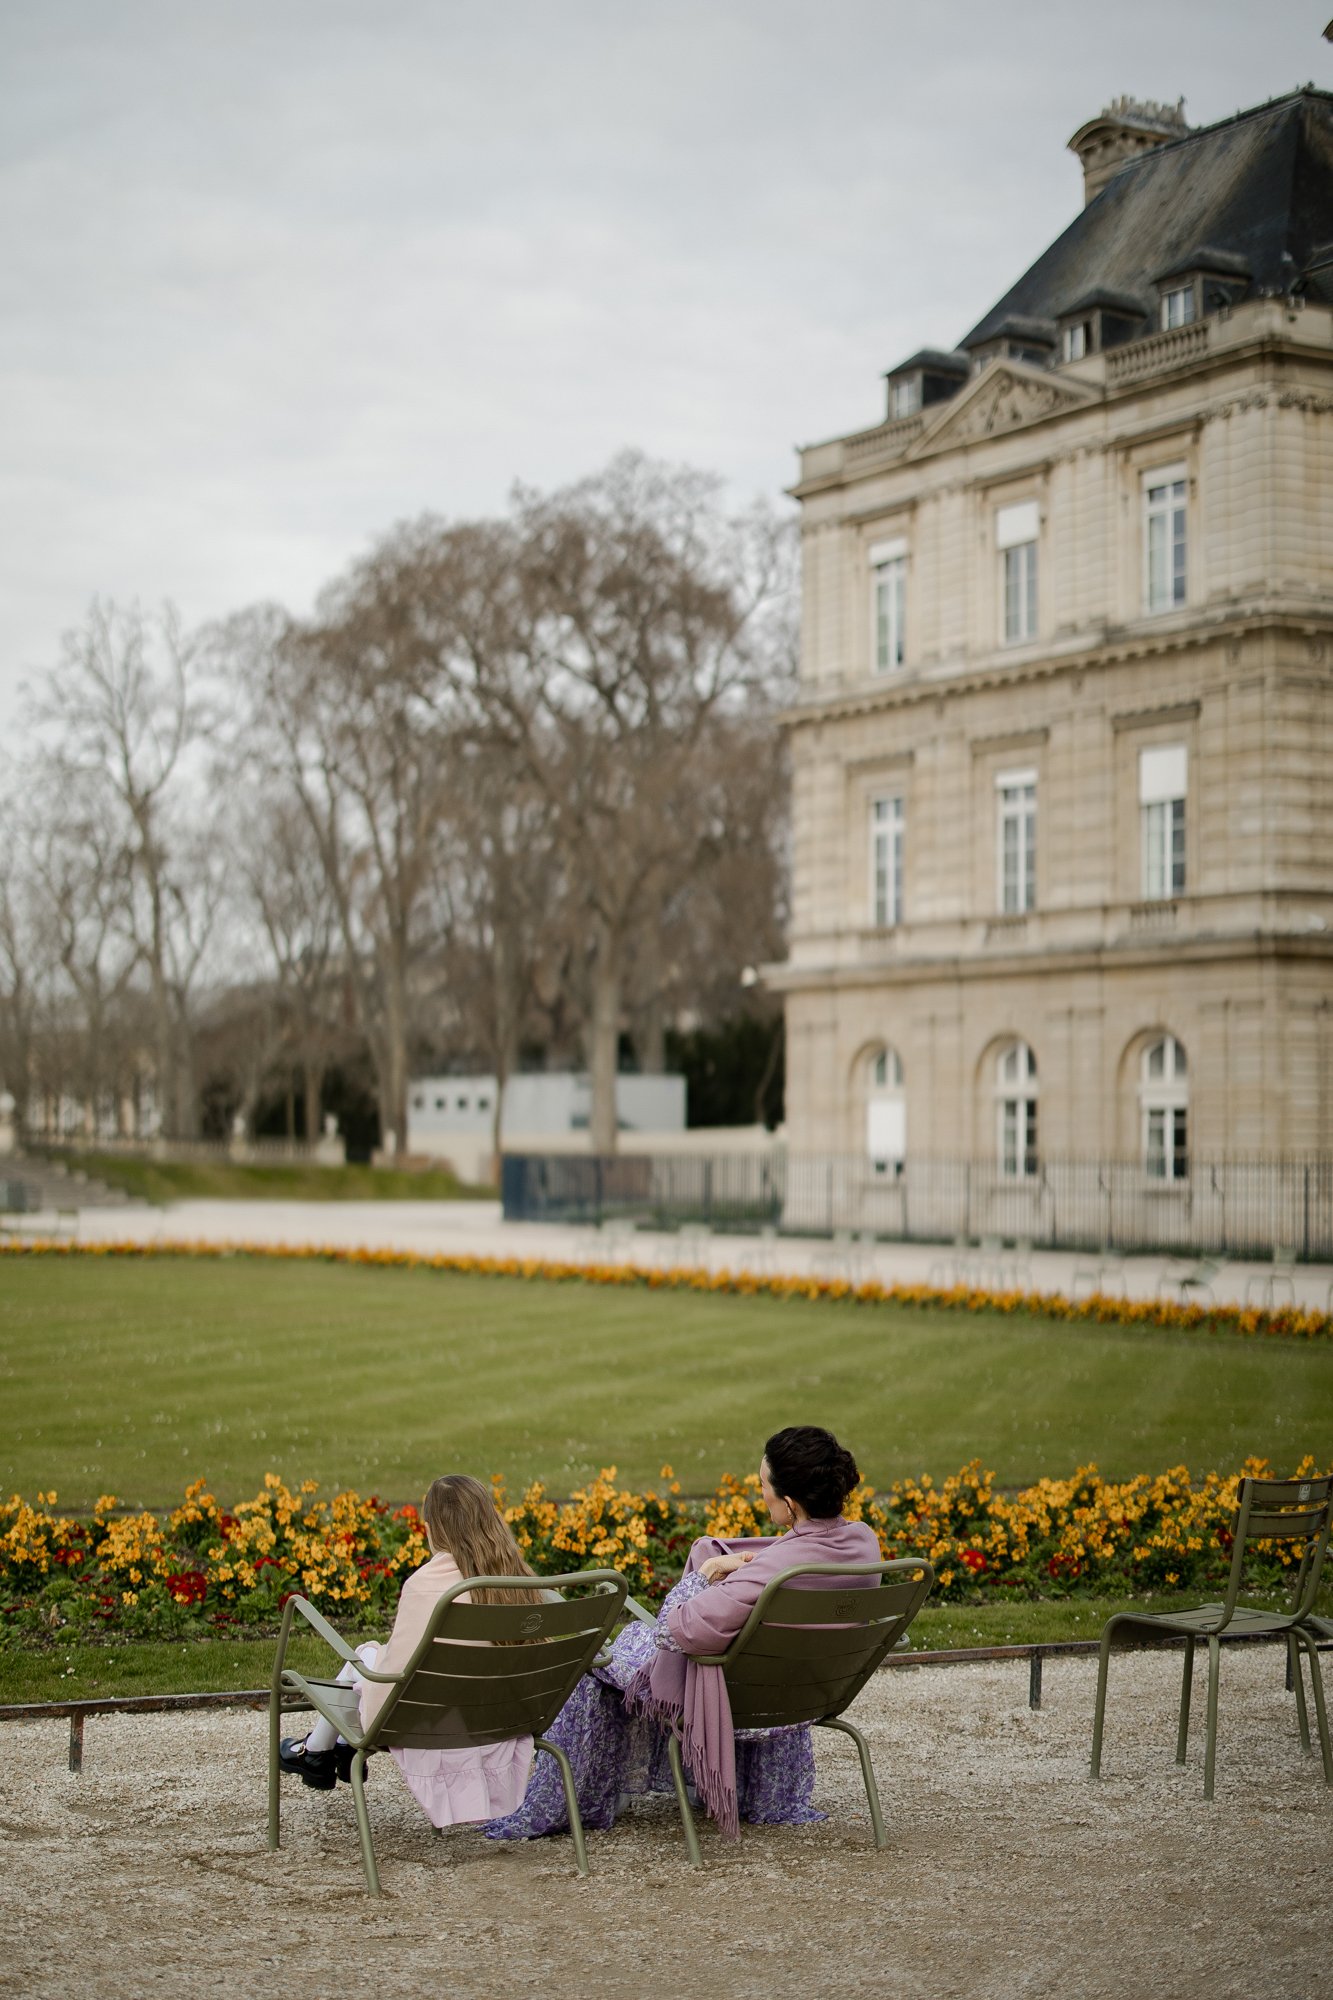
(453, 1117)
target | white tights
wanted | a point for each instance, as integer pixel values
(323, 1736)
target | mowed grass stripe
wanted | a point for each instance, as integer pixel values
(135, 1377)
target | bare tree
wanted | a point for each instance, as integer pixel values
(599, 642)
(348, 710)
(82, 874)
(293, 906)
(127, 705)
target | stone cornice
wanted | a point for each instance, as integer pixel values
(874, 697)
(1242, 946)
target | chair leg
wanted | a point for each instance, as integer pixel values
(571, 1802)
(363, 1823)
(274, 1773)
(1186, 1688)
(1320, 1708)
(1296, 1680)
(1210, 1741)
(683, 1801)
(1099, 1713)
(867, 1772)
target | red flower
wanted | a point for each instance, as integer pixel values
(188, 1586)
(975, 1560)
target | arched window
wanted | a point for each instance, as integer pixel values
(1016, 1110)
(1164, 1096)
(886, 1114)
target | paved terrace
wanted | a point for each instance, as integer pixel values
(477, 1228)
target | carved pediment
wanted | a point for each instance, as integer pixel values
(1004, 397)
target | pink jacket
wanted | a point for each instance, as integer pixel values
(451, 1786)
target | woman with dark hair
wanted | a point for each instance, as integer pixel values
(613, 1727)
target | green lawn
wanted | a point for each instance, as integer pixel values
(161, 1181)
(133, 1378)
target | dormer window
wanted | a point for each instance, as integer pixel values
(1199, 284)
(930, 376)
(1098, 320)
(905, 396)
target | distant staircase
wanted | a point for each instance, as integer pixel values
(50, 1184)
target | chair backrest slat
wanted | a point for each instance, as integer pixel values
(470, 1656)
(493, 1622)
(1265, 1493)
(1299, 1525)
(813, 1642)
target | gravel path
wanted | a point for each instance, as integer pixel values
(1007, 1872)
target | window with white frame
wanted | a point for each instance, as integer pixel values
(886, 1114)
(1016, 531)
(888, 570)
(1164, 538)
(1076, 340)
(1178, 306)
(1164, 1096)
(886, 861)
(905, 396)
(1162, 775)
(1016, 1111)
(1016, 844)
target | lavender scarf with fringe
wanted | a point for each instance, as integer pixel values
(700, 1617)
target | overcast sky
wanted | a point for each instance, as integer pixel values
(273, 276)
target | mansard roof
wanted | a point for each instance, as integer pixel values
(1252, 194)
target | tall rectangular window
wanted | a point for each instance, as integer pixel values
(1162, 772)
(1178, 306)
(1017, 796)
(1016, 530)
(905, 396)
(886, 862)
(1076, 340)
(1164, 538)
(888, 570)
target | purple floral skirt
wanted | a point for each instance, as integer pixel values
(615, 1754)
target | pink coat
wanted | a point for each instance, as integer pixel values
(451, 1786)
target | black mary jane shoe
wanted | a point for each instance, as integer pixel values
(342, 1754)
(316, 1768)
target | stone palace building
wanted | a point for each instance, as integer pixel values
(1063, 748)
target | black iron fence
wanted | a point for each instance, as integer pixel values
(1235, 1208)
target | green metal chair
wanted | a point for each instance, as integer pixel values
(482, 1673)
(804, 1655)
(1268, 1510)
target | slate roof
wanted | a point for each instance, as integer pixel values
(1253, 193)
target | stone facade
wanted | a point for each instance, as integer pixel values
(907, 988)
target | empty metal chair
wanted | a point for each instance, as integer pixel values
(1295, 1511)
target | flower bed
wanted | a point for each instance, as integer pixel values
(1284, 1323)
(201, 1569)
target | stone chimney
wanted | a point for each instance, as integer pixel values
(1121, 132)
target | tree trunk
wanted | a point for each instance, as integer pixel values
(604, 1039)
(312, 1074)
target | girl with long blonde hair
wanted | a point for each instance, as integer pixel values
(468, 1536)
